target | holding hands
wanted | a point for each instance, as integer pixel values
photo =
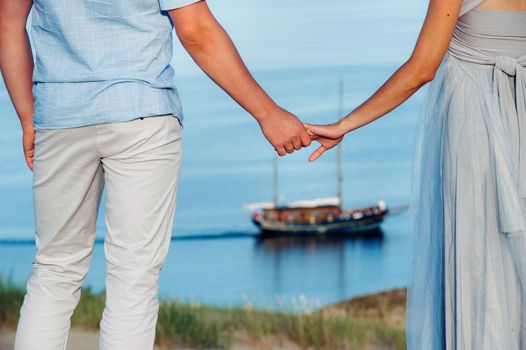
(287, 134)
(328, 136)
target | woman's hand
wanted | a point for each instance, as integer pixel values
(327, 135)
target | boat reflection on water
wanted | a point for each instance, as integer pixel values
(318, 241)
(331, 266)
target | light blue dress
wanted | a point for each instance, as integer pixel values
(468, 283)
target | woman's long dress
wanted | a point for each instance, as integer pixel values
(468, 283)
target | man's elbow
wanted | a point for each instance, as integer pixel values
(196, 26)
(194, 37)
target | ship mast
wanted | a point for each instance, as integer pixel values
(339, 147)
(276, 180)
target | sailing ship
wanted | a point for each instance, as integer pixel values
(317, 216)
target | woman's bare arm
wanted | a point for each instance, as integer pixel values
(419, 69)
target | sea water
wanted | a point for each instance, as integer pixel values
(298, 51)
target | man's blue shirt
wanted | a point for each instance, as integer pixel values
(102, 61)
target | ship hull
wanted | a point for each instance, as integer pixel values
(352, 226)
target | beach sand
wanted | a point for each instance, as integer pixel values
(84, 339)
(79, 339)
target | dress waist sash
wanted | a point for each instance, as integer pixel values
(508, 158)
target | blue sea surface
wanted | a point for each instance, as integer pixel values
(298, 51)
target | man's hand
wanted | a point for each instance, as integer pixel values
(28, 143)
(285, 132)
(327, 135)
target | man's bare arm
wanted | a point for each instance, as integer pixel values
(16, 65)
(211, 48)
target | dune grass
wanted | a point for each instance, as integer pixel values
(201, 326)
(11, 298)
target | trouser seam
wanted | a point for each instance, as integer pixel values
(97, 142)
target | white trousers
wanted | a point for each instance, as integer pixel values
(138, 162)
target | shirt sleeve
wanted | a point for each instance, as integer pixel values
(175, 4)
